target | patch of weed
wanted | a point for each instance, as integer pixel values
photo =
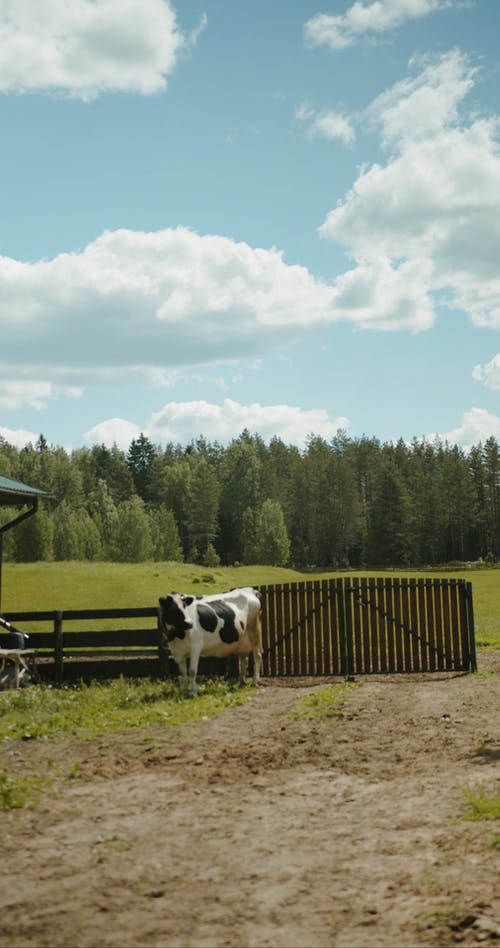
(85, 711)
(482, 806)
(324, 702)
(18, 792)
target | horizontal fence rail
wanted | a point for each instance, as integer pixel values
(331, 627)
(88, 643)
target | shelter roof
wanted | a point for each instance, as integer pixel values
(13, 493)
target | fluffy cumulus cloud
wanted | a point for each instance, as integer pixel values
(327, 123)
(477, 425)
(340, 30)
(18, 437)
(427, 221)
(17, 392)
(133, 304)
(489, 374)
(113, 431)
(84, 48)
(180, 422)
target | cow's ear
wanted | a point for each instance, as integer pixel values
(188, 600)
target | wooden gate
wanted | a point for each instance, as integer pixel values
(350, 626)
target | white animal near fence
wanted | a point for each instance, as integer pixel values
(217, 625)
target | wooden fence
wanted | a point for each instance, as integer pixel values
(94, 643)
(351, 626)
(343, 626)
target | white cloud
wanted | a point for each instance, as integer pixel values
(419, 107)
(84, 48)
(113, 431)
(477, 425)
(183, 421)
(338, 31)
(135, 304)
(327, 124)
(378, 295)
(489, 374)
(434, 207)
(17, 437)
(17, 392)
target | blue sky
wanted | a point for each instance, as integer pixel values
(265, 214)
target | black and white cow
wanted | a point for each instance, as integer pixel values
(223, 624)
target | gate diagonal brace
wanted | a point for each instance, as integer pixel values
(396, 622)
(286, 635)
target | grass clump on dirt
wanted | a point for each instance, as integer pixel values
(18, 792)
(482, 806)
(85, 711)
(324, 702)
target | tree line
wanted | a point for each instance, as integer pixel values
(347, 502)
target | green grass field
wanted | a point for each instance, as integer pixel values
(79, 585)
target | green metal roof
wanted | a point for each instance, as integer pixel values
(13, 492)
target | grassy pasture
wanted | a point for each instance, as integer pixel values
(80, 585)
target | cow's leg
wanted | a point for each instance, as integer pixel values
(184, 674)
(257, 657)
(242, 668)
(194, 659)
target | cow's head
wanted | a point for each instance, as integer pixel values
(173, 616)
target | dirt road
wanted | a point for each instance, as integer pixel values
(261, 829)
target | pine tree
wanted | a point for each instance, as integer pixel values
(203, 512)
(131, 534)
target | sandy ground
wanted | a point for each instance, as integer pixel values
(258, 829)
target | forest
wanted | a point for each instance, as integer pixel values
(347, 502)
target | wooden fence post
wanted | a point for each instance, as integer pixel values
(58, 647)
(471, 634)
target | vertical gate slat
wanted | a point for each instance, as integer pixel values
(326, 657)
(339, 586)
(296, 630)
(446, 624)
(311, 644)
(264, 591)
(268, 631)
(287, 624)
(349, 626)
(471, 640)
(283, 646)
(415, 640)
(318, 637)
(405, 601)
(438, 603)
(398, 632)
(275, 639)
(365, 621)
(382, 623)
(356, 627)
(373, 625)
(464, 638)
(391, 628)
(422, 626)
(456, 659)
(431, 633)
(335, 627)
(301, 605)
